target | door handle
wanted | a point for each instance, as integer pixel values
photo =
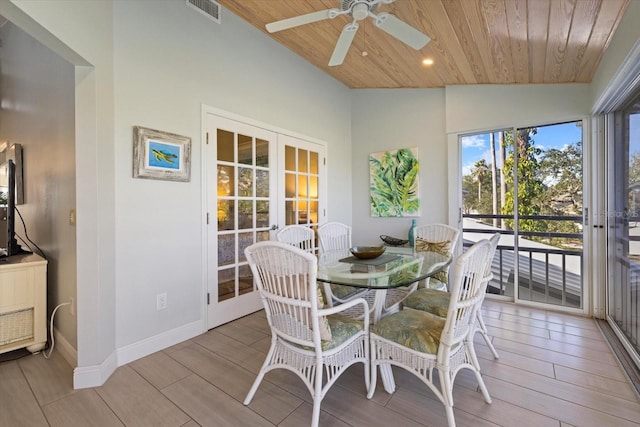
(274, 227)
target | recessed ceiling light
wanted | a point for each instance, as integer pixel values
(427, 61)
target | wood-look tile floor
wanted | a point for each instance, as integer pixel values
(554, 370)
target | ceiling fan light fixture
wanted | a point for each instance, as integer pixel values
(360, 11)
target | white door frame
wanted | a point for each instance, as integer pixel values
(322, 196)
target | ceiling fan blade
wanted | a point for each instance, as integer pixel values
(343, 44)
(401, 30)
(296, 21)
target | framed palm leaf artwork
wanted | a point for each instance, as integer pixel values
(393, 183)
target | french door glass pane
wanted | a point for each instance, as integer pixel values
(225, 145)
(262, 183)
(245, 149)
(262, 153)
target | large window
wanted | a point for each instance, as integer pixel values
(526, 184)
(623, 223)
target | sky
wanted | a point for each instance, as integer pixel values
(476, 147)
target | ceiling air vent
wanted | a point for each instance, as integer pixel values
(208, 8)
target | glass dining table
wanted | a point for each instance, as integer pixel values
(390, 273)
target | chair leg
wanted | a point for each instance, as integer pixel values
(483, 387)
(317, 395)
(254, 387)
(315, 418)
(374, 380)
(387, 378)
(476, 369)
(450, 418)
(367, 377)
(446, 386)
(485, 335)
(260, 376)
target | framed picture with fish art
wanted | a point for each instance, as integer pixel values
(161, 155)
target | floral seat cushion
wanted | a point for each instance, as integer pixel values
(341, 328)
(429, 300)
(325, 328)
(443, 248)
(343, 292)
(417, 330)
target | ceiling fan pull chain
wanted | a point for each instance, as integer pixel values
(364, 39)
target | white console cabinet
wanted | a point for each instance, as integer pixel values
(23, 303)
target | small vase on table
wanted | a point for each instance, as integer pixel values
(410, 234)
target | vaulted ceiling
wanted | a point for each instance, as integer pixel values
(472, 41)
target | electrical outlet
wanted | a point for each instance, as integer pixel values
(72, 307)
(161, 301)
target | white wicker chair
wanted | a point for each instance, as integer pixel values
(428, 238)
(437, 302)
(437, 238)
(334, 236)
(421, 342)
(299, 236)
(316, 344)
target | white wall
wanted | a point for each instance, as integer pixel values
(484, 107)
(166, 67)
(626, 36)
(37, 88)
(384, 120)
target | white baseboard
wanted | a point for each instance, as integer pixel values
(67, 351)
(158, 342)
(97, 375)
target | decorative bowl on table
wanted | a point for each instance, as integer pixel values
(367, 252)
(393, 241)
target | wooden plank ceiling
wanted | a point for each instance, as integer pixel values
(472, 41)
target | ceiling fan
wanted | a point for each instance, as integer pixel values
(358, 10)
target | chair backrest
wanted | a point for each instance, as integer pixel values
(439, 238)
(299, 236)
(434, 235)
(466, 295)
(333, 236)
(286, 279)
(493, 246)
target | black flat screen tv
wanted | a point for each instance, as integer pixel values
(8, 243)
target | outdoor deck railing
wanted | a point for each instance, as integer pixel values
(544, 273)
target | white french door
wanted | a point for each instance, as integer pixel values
(257, 181)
